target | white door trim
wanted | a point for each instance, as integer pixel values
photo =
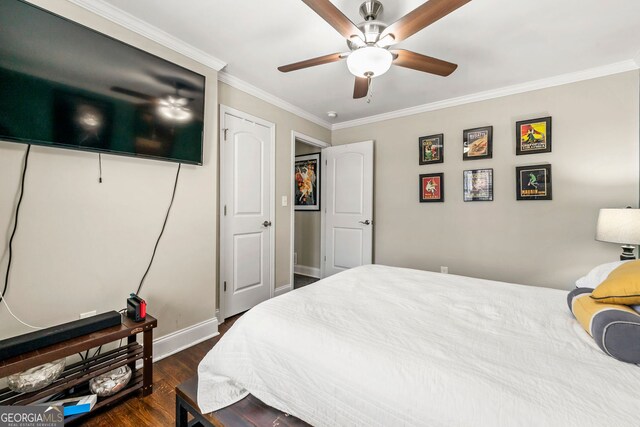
(272, 230)
(320, 144)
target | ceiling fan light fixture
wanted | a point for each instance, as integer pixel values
(357, 41)
(370, 61)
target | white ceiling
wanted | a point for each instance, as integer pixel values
(496, 43)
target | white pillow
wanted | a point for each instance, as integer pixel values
(597, 275)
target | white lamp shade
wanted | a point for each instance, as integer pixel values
(619, 226)
(369, 60)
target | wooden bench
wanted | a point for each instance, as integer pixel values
(248, 412)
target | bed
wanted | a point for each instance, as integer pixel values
(384, 346)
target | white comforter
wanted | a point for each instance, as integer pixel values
(382, 346)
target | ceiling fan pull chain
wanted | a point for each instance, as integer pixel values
(370, 89)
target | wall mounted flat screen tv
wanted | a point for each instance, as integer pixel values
(65, 85)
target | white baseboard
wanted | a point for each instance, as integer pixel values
(184, 338)
(307, 271)
(280, 290)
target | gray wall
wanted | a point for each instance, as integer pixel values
(545, 243)
(84, 246)
(307, 224)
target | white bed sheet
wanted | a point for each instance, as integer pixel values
(383, 346)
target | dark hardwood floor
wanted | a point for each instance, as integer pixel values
(300, 281)
(158, 409)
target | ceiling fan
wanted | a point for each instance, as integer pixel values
(172, 106)
(369, 42)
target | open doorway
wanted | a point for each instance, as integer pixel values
(306, 210)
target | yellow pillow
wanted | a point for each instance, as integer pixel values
(622, 286)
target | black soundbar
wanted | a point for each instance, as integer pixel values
(21, 344)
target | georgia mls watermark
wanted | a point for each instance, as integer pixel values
(31, 416)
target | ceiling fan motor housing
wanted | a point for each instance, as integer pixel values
(370, 10)
(371, 27)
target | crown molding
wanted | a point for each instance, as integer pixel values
(592, 73)
(130, 22)
(271, 99)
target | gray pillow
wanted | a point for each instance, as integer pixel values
(615, 328)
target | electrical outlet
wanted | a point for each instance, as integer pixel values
(87, 314)
(285, 202)
(444, 270)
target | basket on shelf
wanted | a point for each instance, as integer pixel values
(110, 383)
(36, 378)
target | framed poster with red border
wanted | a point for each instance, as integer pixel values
(431, 187)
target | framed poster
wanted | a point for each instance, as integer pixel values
(307, 182)
(431, 149)
(432, 187)
(478, 143)
(478, 185)
(533, 182)
(533, 136)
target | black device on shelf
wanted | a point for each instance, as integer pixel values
(136, 308)
(45, 337)
(65, 85)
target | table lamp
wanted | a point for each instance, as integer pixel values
(620, 226)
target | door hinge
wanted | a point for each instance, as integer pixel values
(225, 210)
(325, 259)
(325, 162)
(225, 286)
(225, 133)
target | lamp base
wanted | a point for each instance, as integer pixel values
(627, 253)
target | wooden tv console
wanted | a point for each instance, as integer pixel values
(81, 372)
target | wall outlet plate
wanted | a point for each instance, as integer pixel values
(285, 201)
(444, 270)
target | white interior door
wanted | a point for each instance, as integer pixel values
(348, 202)
(246, 250)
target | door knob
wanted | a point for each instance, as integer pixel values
(365, 222)
(266, 224)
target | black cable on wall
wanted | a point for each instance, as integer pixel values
(15, 222)
(166, 218)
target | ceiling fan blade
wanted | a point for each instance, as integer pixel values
(132, 93)
(311, 62)
(334, 17)
(361, 88)
(421, 17)
(416, 61)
